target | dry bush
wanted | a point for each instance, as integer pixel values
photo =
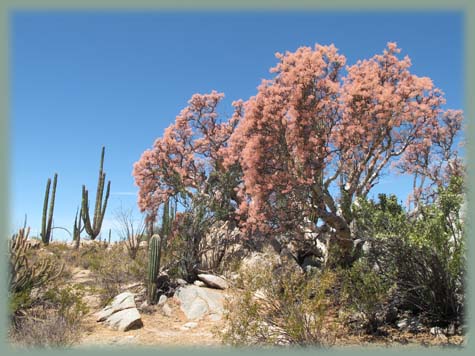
(424, 282)
(130, 230)
(113, 269)
(54, 320)
(280, 307)
(45, 329)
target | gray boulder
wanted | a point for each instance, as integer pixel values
(196, 302)
(120, 302)
(213, 281)
(121, 314)
(124, 320)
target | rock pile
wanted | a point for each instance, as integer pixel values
(121, 314)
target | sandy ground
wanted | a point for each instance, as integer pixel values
(160, 330)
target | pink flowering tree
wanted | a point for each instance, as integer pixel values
(313, 140)
(186, 161)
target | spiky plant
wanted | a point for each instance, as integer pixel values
(168, 217)
(93, 229)
(25, 275)
(154, 254)
(77, 229)
(46, 223)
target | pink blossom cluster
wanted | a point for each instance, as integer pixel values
(311, 141)
(310, 128)
(180, 161)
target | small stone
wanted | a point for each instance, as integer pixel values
(215, 317)
(189, 325)
(199, 283)
(441, 338)
(402, 324)
(181, 282)
(259, 294)
(162, 300)
(451, 330)
(436, 330)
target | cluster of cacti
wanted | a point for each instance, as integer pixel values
(24, 276)
(154, 254)
(46, 224)
(94, 229)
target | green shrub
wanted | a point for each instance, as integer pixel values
(422, 254)
(280, 308)
(423, 282)
(68, 301)
(367, 292)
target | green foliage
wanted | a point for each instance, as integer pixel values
(384, 218)
(221, 191)
(77, 229)
(280, 307)
(93, 229)
(190, 227)
(54, 321)
(46, 225)
(440, 227)
(113, 269)
(27, 271)
(153, 268)
(366, 292)
(68, 301)
(422, 254)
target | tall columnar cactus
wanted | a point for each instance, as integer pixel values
(46, 224)
(77, 229)
(168, 218)
(154, 254)
(94, 229)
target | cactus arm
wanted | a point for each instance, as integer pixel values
(100, 190)
(106, 199)
(94, 229)
(51, 206)
(85, 212)
(45, 210)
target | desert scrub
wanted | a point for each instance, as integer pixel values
(366, 292)
(113, 269)
(55, 320)
(280, 307)
(28, 271)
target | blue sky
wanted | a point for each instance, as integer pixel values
(80, 80)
